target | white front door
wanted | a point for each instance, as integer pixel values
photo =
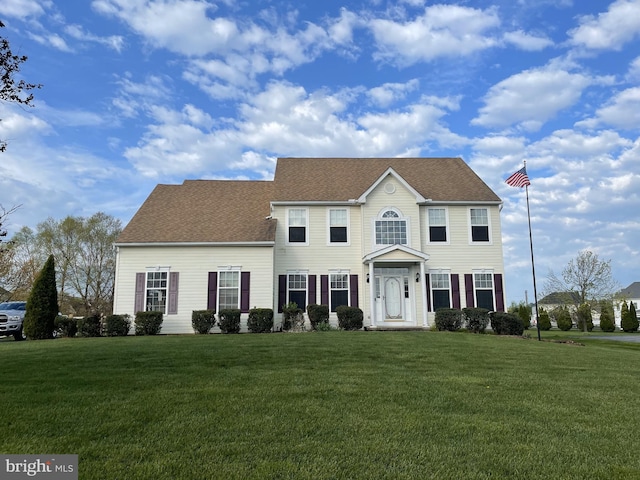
(393, 298)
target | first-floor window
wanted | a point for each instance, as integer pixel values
(156, 292)
(339, 290)
(297, 289)
(483, 285)
(440, 290)
(228, 290)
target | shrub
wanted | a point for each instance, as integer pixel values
(583, 316)
(523, 311)
(607, 322)
(506, 323)
(317, 314)
(324, 327)
(292, 317)
(90, 326)
(229, 320)
(148, 323)
(628, 321)
(562, 318)
(66, 326)
(544, 320)
(349, 318)
(448, 319)
(476, 319)
(260, 320)
(42, 304)
(117, 325)
(203, 321)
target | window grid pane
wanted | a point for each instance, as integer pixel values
(297, 217)
(338, 218)
(391, 232)
(156, 295)
(437, 217)
(440, 281)
(297, 282)
(484, 280)
(479, 216)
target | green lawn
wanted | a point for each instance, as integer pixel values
(328, 405)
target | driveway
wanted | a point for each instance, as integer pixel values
(620, 338)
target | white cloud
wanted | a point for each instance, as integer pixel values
(115, 42)
(530, 98)
(388, 93)
(609, 30)
(633, 74)
(443, 31)
(525, 41)
(23, 9)
(622, 111)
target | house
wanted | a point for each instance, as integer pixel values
(397, 237)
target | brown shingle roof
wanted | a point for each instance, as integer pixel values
(341, 179)
(204, 211)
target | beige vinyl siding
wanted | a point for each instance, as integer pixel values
(193, 263)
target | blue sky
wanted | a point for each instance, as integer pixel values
(140, 92)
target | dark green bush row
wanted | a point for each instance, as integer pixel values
(148, 323)
(90, 326)
(292, 317)
(229, 320)
(66, 326)
(563, 318)
(317, 314)
(476, 319)
(203, 321)
(117, 325)
(506, 323)
(349, 318)
(260, 320)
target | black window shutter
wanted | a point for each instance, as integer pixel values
(428, 286)
(468, 288)
(212, 291)
(497, 280)
(282, 291)
(353, 287)
(324, 289)
(311, 289)
(455, 290)
(245, 285)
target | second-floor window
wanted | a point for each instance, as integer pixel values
(297, 223)
(338, 225)
(437, 225)
(479, 219)
(391, 229)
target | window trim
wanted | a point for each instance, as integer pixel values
(306, 288)
(306, 227)
(380, 217)
(446, 226)
(219, 287)
(345, 273)
(432, 274)
(160, 270)
(489, 273)
(347, 225)
(488, 225)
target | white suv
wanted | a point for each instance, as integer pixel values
(11, 317)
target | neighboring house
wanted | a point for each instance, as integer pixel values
(630, 294)
(396, 237)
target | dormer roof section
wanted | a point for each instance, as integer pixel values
(391, 172)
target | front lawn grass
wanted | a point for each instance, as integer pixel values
(328, 405)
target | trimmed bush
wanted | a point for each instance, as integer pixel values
(260, 320)
(90, 326)
(583, 316)
(506, 323)
(476, 319)
(203, 321)
(448, 319)
(349, 318)
(317, 314)
(292, 317)
(66, 326)
(607, 319)
(562, 318)
(229, 320)
(148, 323)
(42, 304)
(629, 320)
(117, 325)
(324, 327)
(544, 320)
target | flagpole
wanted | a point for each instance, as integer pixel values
(533, 265)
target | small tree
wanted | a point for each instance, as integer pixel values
(607, 322)
(563, 318)
(544, 320)
(584, 319)
(628, 321)
(42, 304)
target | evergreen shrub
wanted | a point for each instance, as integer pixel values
(66, 326)
(628, 321)
(229, 320)
(544, 320)
(203, 321)
(607, 319)
(349, 318)
(317, 314)
(90, 326)
(260, 320)
(292, 317)
(476, 319)
(117, 325)
(148, 323)
(506, 323)
(448, 319)
(563, 318)
(583, 315)
(42, 304)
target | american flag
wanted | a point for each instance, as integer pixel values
(519, 179)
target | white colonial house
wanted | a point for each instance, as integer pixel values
(397, 237)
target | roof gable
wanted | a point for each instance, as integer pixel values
(631, 292)
(391, 172)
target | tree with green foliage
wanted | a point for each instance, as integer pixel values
(544, 320)
(42, 304)
(607, 319)
(523, 311)
(584, 317)
(562, 317)
(629, 320)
